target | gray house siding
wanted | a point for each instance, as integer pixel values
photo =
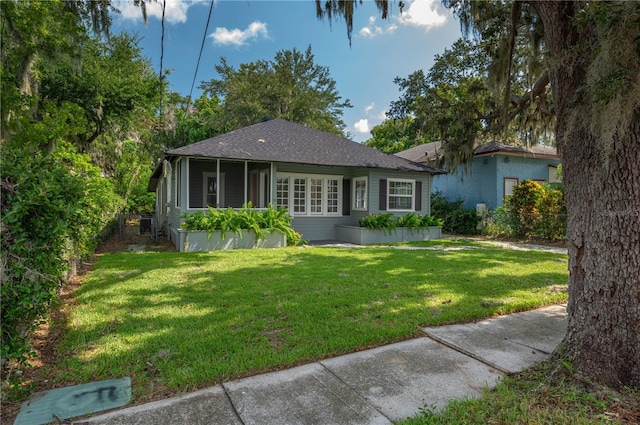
(378, 205)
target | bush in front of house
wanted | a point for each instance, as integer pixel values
(247, 218)
(388, 221)
(456, 218)
(533, 210)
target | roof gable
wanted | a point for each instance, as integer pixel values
(279, 140)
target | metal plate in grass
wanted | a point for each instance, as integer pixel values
(64, 403)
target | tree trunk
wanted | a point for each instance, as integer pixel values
(602, 188)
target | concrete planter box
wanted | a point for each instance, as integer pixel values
(199, 240)
(363, 236)
(423, 234)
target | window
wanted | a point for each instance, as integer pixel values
(282, 192)
(316, 195)
(299, 195)
(509, 183)
(400, 194)
(332, 196)
(360, 193)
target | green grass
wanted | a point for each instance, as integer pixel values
(542, 395)
(180, 321)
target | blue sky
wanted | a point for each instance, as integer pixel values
(245, 31)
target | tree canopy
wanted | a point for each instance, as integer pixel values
(291, 86)
(460, 102)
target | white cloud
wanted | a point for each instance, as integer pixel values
(369, 108)
(372, 30)
(175, 11)
(362, 126)
(237, 37)
(422, 14)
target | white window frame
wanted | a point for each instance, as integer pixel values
(279, 191)
(509, 183)
(365, 198)
(304, 207)
(413, 194)
(338, 196)
(307, 201)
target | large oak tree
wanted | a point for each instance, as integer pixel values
(592, 54)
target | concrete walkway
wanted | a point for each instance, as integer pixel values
(375, 386)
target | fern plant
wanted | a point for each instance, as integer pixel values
(248, 218)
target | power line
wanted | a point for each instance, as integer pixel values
(204, 37)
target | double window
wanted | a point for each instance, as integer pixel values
(309, 194)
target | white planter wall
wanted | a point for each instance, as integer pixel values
(363, 236)
(199, 240)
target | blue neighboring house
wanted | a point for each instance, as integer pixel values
(496, 168)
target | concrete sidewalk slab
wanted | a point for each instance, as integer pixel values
(510, 343)
(306, 394)
(207, 406)
(401, 378)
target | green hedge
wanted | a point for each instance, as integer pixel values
(55, 208)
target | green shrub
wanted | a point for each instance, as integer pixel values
(522, 205)
(384, 221)
(532, 210)
(248, 218)
(553, 214)
(498, 223)
(388, 221)
(456, 218)
(55, 207)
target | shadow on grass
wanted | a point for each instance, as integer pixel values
(188, 320)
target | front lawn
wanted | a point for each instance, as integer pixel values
(180, 321)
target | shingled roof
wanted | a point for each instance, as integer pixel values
(278, 140)
(431, 151)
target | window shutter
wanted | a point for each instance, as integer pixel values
(383, 195)
(418, 196)
(346, 197)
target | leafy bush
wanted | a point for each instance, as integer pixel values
(388, 221)
(385, 221)
(55, 207)
(553, 214)
(456, 219)
(532, 210)
(522, 205)
(248, 218)
(498, 222)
